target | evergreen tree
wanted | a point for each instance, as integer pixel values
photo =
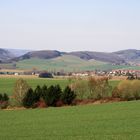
(53, 95)
(68, 96)
(29, 99)
(37, 93)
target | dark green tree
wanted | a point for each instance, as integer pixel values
(37, 93)
(53, 95)
(29, 99)
(44, 91)
(68, 96)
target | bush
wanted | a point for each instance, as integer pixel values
(92, 88)
(68, 96)
(20, 90)
(4, 101)
(99, 88)
(53, 95)
(81, 89)
(127, 90)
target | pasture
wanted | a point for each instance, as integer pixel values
(114, 121)
(7, 83)
(68, 63)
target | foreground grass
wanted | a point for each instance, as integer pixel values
(116, 121)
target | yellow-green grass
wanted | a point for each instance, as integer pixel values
(116, 121)
(69, 63)
(7, 84)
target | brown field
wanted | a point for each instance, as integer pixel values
(19, 76)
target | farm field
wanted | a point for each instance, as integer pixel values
(114, 121)
(7, 84)
(67, 63)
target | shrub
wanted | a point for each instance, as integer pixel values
(127, 90)
(20, 90)
(81, 89)
(53, 95)
(115, 93)
(68, 96)
(4, 101)
(99, 88)
(92, 88)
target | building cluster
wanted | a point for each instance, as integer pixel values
(118, 72)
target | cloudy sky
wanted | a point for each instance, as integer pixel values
(70, 25)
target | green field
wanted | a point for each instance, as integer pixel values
(65, 62)
(116, 121)
(68, 63)
(7, 84)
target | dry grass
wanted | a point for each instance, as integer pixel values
(19, 76)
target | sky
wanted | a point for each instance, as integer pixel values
(70, 25)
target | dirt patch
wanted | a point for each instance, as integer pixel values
(15, 108)
(91, 101)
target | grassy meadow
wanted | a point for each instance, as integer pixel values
(113, 121)
(7, 84)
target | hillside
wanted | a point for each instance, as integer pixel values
(130, 55)
(17, 52)
(72, 61)
(85, 55)
(68, 63)
(5, 55)
(44, 54)
(64, 62)
(100, 56)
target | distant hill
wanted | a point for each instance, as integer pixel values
(5, 55)
(100, 56)
(17, 52)
(44, 54)
(85, 55)
(80, 60)
(130, 55)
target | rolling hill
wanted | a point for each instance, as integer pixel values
(5, 55)
(44, 54)
(85, 55)
(100, 56)
(131, 55)
(72, 61)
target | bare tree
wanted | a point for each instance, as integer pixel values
(20, 90)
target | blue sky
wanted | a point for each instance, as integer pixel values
(70, 25)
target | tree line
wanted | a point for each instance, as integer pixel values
(55, 96)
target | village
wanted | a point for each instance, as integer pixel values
(130, 74)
